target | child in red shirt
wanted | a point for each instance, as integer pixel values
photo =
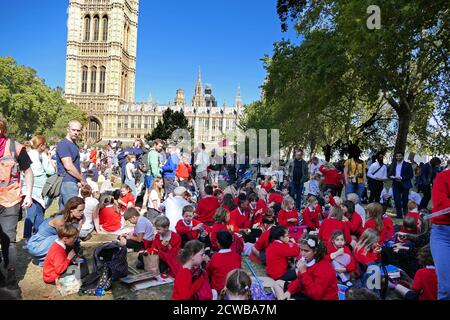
(57, 260)
(258, 207)
(311, 214)
(316, 277)
(341, 258)
(190, 229)
(288, 216)
(274, 198)
(166, 244)
(367, 250)
(223, 261)
(222, 218)
(190, 280)
(126, 200)
(280, 250)
(352, 219)
(376, 221)
(413, 211)
(240, 218)
(425, 285)
(207, 207)
(110, 219)
(259, 249)
(332, 223)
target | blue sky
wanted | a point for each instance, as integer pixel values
(227, 38)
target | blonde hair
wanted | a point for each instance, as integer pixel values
(337, 213)
(412, 205)
(157, 188)
(369, 238)
(287, 201)
(130, 157)
(36, 142)
(312, 199)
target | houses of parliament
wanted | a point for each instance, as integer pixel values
(101, 73)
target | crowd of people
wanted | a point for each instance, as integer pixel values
(318, 231)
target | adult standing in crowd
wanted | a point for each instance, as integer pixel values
(169, 169)
(298, 175)
(136, 150)
(153, 166)
(440, 233)
(425, 180)
(174, 206)
(355, 175)
(13, 159)
(201, 166)
(68, 163)
(215, 165)
(41, 167)
(401, 173)
(375, 177)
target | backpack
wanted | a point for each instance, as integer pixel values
(110, 263)
(143, 163)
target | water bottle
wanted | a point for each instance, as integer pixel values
(100, 292)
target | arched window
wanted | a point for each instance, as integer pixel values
(93, 79)
(105, 28)
(96, 27)
(87, 28)
(102, 79)
(84, 79)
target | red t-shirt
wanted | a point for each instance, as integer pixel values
(206, 209)
(329, 225)
(311, 218)
(386, 233)
(55, 263)
(318, 282)
(440, 196)
(126, 198)
(109, 219)
(283, 216)
(277, 255)
(425, 283)
(266, 186)
(366, 258)
(182, 228)
(184, 288)
(260, 205)
(275, 197)
(263, 241)
(239, 221)
(218, 267)
(355, 224)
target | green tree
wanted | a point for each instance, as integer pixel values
(171, 121)
(31, 107)
(406, 61)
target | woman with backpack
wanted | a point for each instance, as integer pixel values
(41, 167)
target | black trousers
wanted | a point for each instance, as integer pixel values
(375, 187)
(426, 189)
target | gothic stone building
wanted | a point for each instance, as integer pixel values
(101, 73)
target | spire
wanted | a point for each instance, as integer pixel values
(150, 99)
(238, 100)
(198, 99)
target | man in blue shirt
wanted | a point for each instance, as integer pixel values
(68, 163)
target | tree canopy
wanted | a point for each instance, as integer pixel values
(30, 106)
(348, 85)
(171, 121)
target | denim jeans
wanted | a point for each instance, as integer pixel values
(297, 194)
(68, 190)
(440, 249)
(357, 188)
(35, 216)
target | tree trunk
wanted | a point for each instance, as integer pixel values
(404, 120)
(327, 149)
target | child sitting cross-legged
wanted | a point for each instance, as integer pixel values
(424, 286)
(259, 249)
(281, 249)
(191, 229)
(288, 216)
(57, 260)
(311, 214)
(222, 262)
(142, 235)
(316, 278)
(166, 244)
